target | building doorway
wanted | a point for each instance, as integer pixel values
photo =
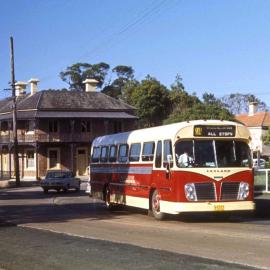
(82, 161)
(5, 161)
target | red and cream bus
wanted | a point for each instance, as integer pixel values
(194, 166)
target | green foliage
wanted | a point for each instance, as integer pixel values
(124, 75)
(266, 137)
(189, 107)
(155, 103)
(199, 111)
(128, 90)
(125, 72)
(238, 103)
(112, 91)
(75, 74)
(151, 99)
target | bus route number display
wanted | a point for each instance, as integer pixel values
(214, 131)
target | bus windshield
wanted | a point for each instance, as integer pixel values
(212, 153)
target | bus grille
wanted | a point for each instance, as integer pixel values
(205, 191)
(229, 191)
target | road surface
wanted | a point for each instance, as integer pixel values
(74, 217)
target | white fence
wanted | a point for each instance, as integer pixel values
(262, 181)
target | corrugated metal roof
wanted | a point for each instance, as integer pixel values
(66, 100)
(66, 104)
(67, 114)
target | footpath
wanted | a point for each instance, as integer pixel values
(262, 202)
(28, 182)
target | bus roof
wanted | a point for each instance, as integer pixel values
(172, 131)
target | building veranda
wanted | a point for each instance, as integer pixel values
(56, 128)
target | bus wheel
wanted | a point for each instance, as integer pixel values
(107, 198)
(155, 206)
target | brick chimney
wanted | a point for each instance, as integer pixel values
(252, 108)
(20, 88)
(90, 85)
(33, 85)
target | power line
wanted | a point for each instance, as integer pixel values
(137, 22)
(149, 12)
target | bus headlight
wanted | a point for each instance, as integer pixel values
(190, 192)
(243, 191)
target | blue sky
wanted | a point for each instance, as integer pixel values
(220, 47)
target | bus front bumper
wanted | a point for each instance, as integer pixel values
(180, 207)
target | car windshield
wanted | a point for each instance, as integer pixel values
(59, 175)
(212, 153)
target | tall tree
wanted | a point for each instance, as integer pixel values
(266, 137)
(124, 75)
(190, 107)
(75, 74)
(180, 101)
(238, 103)
(151, 99)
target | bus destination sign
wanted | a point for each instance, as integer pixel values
(214, 131)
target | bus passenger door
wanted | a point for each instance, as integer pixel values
(158, 172)
(161, 175)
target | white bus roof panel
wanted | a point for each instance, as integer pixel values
(158, 133)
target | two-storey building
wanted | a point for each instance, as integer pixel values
(258, 123)
(56, 128)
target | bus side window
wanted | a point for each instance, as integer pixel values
(148, 151)
(96, 154)
(123, 153)
(158, 155)
(104, 154)
(134, 153)
(113, 153)
(167, 151)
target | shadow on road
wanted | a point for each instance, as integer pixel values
(33, 206)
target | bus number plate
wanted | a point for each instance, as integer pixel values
(219, 207)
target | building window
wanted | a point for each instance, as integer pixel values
(53, 158)
(117, 126)
(4, 127)
(30, 159)
(30, 126)
(85, 126)
(53, 126)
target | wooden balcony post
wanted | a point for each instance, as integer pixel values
(72, 125)
(37, 157)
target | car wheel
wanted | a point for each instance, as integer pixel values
(66, 188)
(155, 206)
(77, 189)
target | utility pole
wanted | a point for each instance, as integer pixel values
(14, 114)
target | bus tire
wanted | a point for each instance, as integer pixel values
(107, 200)
(155, 206)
